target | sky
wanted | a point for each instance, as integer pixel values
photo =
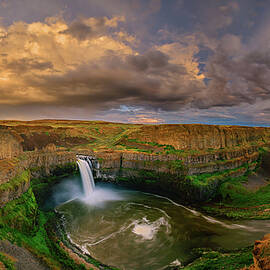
(136, 61)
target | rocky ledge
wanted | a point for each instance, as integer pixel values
(261, 254)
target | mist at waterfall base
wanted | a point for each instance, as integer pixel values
(71, 188)
(82, 188)
(133, 230)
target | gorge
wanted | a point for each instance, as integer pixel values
(207, 168)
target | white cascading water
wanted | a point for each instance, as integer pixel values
(87, 176)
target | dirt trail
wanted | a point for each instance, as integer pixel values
(24, 259)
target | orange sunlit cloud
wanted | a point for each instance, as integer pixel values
(141, 119)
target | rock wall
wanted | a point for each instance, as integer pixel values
(10, 144)
(220, 148)
(261, 254)
(194, 164)
(14, 182)
(123, 164)
(198, 137)
(44, 163)
(15, 187)
(168, 173)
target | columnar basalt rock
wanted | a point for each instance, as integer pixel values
(198, 137)
(196, 164)
(203, 148)
(37, 163)
(43, 163)
(10, 144)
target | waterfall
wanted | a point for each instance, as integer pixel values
(85, 167)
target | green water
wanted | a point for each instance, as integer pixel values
(133, 230)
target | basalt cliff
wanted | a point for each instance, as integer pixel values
(131, 151)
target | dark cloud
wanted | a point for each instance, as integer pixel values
(82, 31)
(139, 62)
(23, 65)
(150, 56)
(155, 62)
(152, 59)
(100, 85)
(157, 59)
(236, 75)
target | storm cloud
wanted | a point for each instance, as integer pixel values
(88, 70)
(99, 63)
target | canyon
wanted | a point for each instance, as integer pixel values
(126, 151)
(189, 162)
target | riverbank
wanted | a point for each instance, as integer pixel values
(235, 200)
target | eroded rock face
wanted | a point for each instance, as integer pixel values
(261, 254)
(40, 164)
(49, 148)
(12, 194)
(220, 148)
(195, 164)
(10, 145)
(198, 137)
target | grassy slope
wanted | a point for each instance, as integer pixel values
(7, 262)
(234, 200)
(215, 260)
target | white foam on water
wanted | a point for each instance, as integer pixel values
(248, 228)
(82, 248)
(175, 263)
(122, 229)
(232, 226)
(144, 230)
(102, 195)
(209, 219)
(149, 207)
(196, 213)
(147, 230)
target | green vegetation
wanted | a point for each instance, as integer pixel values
(214, 260)
(162, 148)
(24, 224)
(138, 177)
(169, 149)
(207, 178)
(136, 149)
(151, 180)
(237, 202)
(234, 200)
(177, 166)
(16, 182)
(8, 263)
(20, 213)
(38, 240)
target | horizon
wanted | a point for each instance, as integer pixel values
(127, 123)
(135, 61)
